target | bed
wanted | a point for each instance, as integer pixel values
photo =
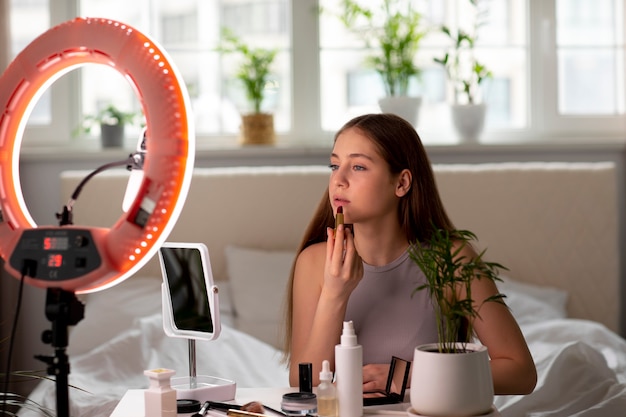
(555, 226)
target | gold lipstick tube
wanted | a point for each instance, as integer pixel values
(338, 218)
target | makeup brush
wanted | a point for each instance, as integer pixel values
(203, 410)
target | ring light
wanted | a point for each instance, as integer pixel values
(87, 259)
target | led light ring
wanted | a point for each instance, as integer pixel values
(125, 247)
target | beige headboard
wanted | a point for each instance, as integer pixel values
(549, 223)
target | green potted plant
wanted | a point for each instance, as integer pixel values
(466, 74)
(449, 275)
(393, 33)
(254, 73)
(112, 122)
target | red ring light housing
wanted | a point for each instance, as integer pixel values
(129, 243)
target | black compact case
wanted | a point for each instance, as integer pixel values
(397, 381)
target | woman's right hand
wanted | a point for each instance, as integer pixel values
(324, 278)
(344, 267)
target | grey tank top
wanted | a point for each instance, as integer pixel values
(389, 321)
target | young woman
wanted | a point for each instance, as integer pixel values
(383, 180)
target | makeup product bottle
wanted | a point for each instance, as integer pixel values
(349, 373)
(160, 397)
(306, 377)
(326, 393)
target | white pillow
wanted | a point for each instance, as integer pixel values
(227, 311)
(531, 303)
(258, 283)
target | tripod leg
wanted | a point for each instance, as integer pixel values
(63, 309)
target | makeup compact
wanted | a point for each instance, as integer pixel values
(299, 403)
(397, 381)
(187, 407)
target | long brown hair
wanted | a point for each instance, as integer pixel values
(420, 211)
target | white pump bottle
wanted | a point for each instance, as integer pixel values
(349, 373)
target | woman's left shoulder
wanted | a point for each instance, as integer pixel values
(465, 249)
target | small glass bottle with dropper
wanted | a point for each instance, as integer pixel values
(326, 393)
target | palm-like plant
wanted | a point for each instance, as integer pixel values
(449, 277)
(462, 68)
(109, 115)
(254, 72)
(396, 40)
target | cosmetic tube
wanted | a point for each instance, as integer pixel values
(349, 373)
(306, 377)
(338, 219)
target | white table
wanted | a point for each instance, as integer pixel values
(132, 404)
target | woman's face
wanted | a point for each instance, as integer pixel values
(361, 181)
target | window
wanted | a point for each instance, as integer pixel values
(579, 54)
(501, 45)
(590, 57)
(558, 66)
(36, 13)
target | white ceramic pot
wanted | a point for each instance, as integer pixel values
(468, 120)
(451, 384)
(403, 106)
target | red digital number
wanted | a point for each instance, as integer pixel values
(55, 260)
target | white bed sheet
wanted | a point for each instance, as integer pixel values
(581, 364)
(102, 376)
(581, 367)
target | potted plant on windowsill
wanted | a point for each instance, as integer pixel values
(393, 34)
(112, 122)
(454, 375)
(466, 74)
(257, 127)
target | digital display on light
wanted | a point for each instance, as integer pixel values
(56, 243)
(55, 260)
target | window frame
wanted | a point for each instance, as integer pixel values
(546, 122)
(543, 124)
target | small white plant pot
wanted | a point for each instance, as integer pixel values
(451, 384)
(406, 107)
(468, 121)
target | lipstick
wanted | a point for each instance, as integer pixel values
(339, 217)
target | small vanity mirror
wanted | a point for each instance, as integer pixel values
(190, 301)
(396, 385)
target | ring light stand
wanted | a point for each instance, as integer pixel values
(71, 259)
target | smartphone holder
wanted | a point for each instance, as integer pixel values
(191, 311)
